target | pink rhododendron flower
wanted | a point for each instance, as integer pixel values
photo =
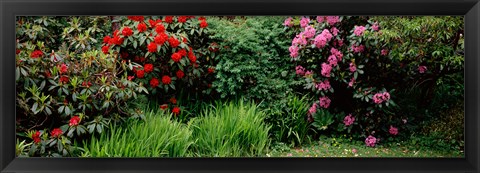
(324, 85)
(354, 151)
(300, 39)
(332, 60)
(337, 53)
(308, 73)
(353, 68)
(359, 30)
(384, 52)
(348, 120)
(324, 102)
(321, 40)
(293, 51)
(309, 32)
(320, 19)
(358, 49)
(370, 141)
(313, 109)
(375, 26)
(334, 31)
(352, 81)
(422, 69)
(326, 69)
(386, 96)
(300, 70)
(288, 22)
(393, 130)
(333, 19)
(379, 98)
(304, 22)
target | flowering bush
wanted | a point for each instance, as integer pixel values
(66, 87)
(352, 63)
(167, 54)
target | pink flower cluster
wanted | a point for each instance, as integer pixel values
(352, 81)
(348, 120)
(326, 69)
(300, 70)
(308, 73)
(370, 141)
(359, 30)
(375, 26)
(313, 109)
(322, 39)
(309, 32)
(384, 52)
(304, 22)
(393, 130)
(353, 68)
(358, 49)
(332, 60)
(324, 102)
(334, 31)
(288, 22)
(337, 53)
(300, 39)
(293, 51)
(324, 85)
(422, 69)
(332, 20)
(381, 97)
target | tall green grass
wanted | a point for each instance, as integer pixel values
(158, 136)
(230, 129)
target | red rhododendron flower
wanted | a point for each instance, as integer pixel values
(211, 70)
(154, 82)
(182, 19)
(105, 49)
(86, 84)
(148, 68)
(176, 57)
(130, 78)
(173, 100)
(161, 38)
(152, 47)
(192, 58)
(127, 31)
(153, 23)
(74, 121)
(57, 132)
(141, 27)
(166, 80)
(124, 54)
(106, 39)
(203, 24)
(168, 19)
(140, 73)
(64, 79)
(116, 40)
(176, 111)
(63, 68)
(184, 40)
(182, 52)
(173, 42)
(202, 18)
(180, 74)
(36, 137)
(48, 74)
(17, 51)
(159, 28)
(164, 106)
(136, 18)
(36, 54)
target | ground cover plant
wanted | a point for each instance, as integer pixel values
(240, 86)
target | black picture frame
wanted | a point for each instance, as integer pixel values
(11, 8)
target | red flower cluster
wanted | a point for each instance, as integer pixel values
(106, 39)
(203, 22)
(192, 57)
(182, 19)
(36, 137)
(211, 70)
(173, 42)
(124, 54)
(136, 18)
(17, 51)
(87, 84)
(64, 79)
(153, 23)
(141, 27)
(173, 100)
(182, 52)
(168, 19)
(139, 59)
(159, 28)
(154, 82)
(152, 47)
(176, 57)
(36, 54)
(130, 78)
(74, 121)
(180, 74)
(176, 111)
(116, 40)
(164, 106)
(140, 73)
(161, 38)
(63, 68)
(57, 132)
(105, 49)
(127, 31)
(166, 80)
(148, 68)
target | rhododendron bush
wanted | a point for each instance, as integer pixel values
(355, 68)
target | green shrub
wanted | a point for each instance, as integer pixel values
(157, 136)
(230, 129)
